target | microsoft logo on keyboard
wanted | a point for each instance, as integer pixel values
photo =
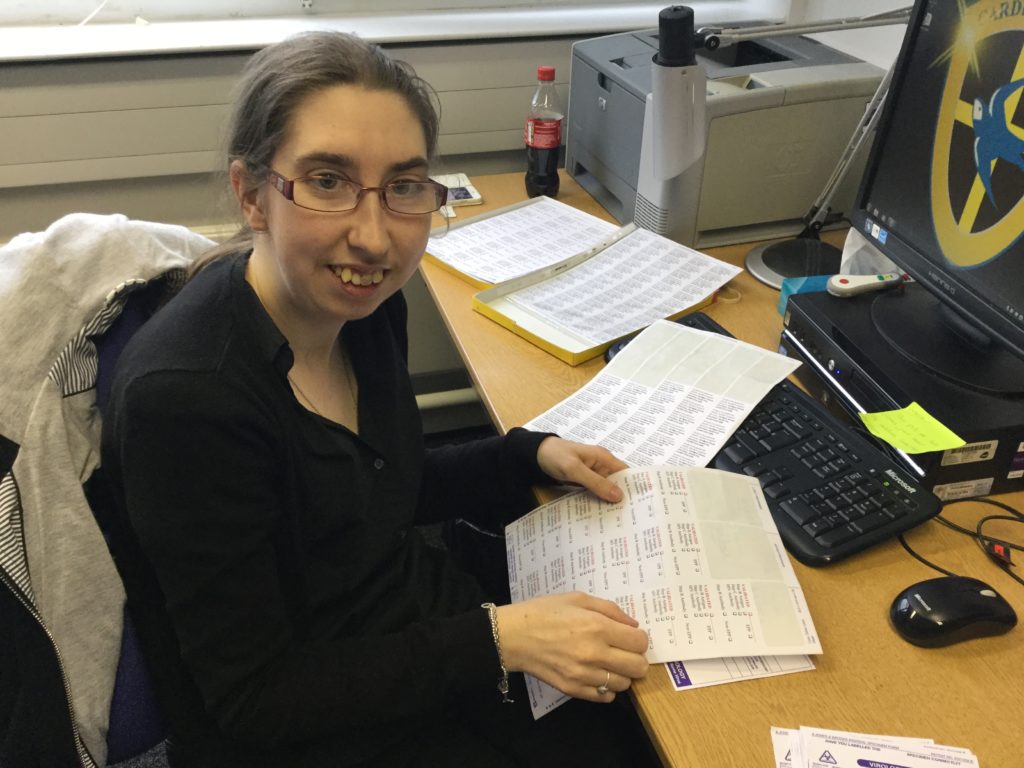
(901, 482)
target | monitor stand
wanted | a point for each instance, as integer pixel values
(927, 333)
(799, 257)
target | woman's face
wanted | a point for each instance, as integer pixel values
(328, 268)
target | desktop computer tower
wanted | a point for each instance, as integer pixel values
(849, 367)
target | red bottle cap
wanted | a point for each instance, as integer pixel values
(545, 73)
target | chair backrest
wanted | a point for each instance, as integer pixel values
(136, 724)
(70, 296)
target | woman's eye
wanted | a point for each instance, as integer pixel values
(325, 183)
(404, 188)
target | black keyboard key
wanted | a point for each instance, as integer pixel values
(872, 521)
(776, 491)
(817, 527)
(776, 440)
(825, 491)
(835, 519)
(739, 454)
(799, 510)
(783, 472)
(756, 468)
(749, 443)
(797, 428)
(896, 512)
(837, 536)
(811, 461)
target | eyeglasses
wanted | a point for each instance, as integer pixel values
(329, 194)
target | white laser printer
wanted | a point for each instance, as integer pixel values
(779, 114)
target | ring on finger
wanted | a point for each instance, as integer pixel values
(603, 688)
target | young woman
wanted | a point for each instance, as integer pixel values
(265, 453)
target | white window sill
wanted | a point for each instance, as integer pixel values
(43, 43)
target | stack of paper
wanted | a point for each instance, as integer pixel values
(515, 240)
(571, 283)
(819, 748)
(579, 307)
(692, 554)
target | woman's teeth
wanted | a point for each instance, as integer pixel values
(348, 276)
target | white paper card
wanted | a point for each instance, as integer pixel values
(673, 395)
(692, 554)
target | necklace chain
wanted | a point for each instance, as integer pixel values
(304, 396)
(349, 380)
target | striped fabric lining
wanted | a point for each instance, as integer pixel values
(75, 369)
(76, 366)
(13, 559)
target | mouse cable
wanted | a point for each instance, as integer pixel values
(997, 550)
(930, 564)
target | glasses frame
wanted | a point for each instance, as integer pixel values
(286, 187)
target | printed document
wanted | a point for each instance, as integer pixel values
(673, 395)
(700, 673)
(635, 281)
(692, 554)
(515, 241)
(820, 748)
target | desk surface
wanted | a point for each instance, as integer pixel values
(868, 679)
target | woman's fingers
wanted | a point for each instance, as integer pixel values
(581, 464)
(575, 642)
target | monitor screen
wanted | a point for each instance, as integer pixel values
(943, 193)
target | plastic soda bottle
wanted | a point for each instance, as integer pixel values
(542, 135)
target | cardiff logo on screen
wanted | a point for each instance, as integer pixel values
(977, 175)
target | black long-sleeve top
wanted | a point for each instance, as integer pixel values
(285, 601)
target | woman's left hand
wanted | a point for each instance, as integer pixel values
(580, 464)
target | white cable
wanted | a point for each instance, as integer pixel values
(95, 10)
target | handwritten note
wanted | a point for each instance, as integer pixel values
(911, 429)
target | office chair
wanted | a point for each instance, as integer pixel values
(74, 690)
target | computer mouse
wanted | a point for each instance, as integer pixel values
(948, 610)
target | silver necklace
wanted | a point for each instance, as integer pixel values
(305, 397)
(349, 379)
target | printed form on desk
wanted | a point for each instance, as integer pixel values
(673, 395)
(518, 239)
(820, 748)
(692, 554)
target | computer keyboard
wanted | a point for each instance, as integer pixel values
(831, 491)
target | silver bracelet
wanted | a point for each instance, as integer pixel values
(492, 614)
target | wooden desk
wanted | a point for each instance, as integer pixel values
(868, 679)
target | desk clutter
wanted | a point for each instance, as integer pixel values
(640, 403)
(570, 282)
(819, 748)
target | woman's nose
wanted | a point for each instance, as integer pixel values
(368, 225)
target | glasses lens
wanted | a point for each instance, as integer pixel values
(326, 193)
(415, 196)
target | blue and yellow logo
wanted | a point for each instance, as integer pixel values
(979, 124)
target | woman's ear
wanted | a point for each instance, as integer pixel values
(248, 196)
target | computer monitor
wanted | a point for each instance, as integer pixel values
(943, 194)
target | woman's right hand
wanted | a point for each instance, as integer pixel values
(574, 642)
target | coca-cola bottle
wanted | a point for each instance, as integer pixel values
(543, 136)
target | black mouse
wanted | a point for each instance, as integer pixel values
(948, 610)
